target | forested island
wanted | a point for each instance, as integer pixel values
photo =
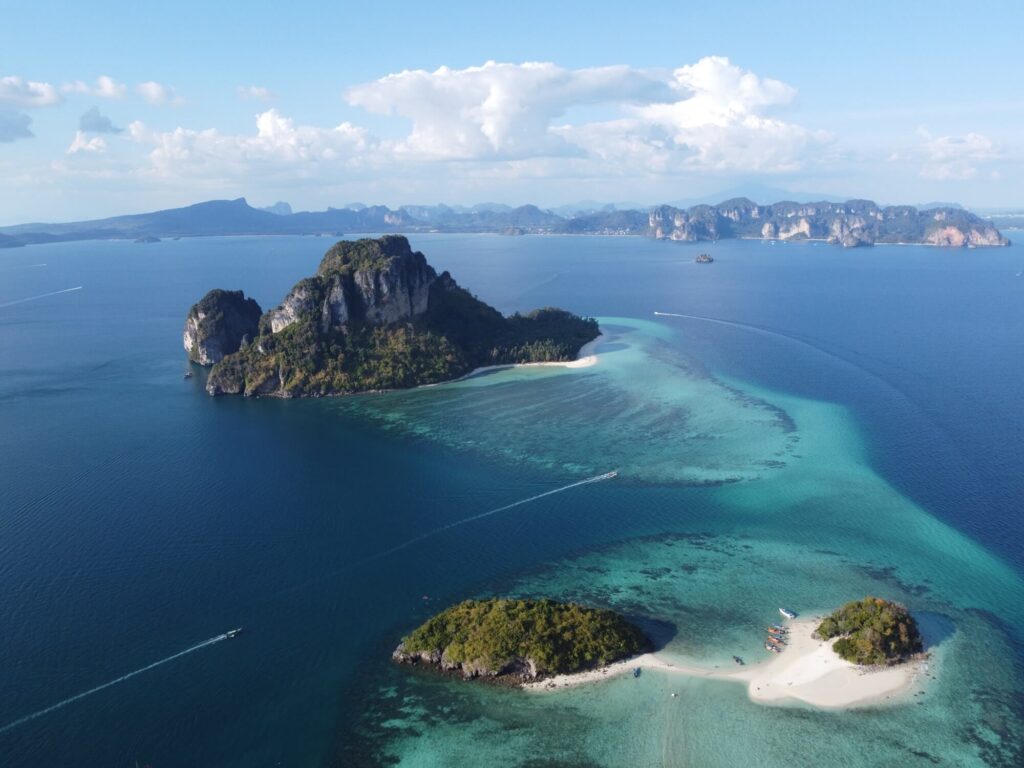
(375, 316)
(872, 631)
(520, 639)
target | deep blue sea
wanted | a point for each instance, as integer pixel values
(804, 425)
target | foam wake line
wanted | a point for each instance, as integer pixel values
(121, 679)
(41, 296)
(900, 391)
(441, 529)
(796, 340)
(378, 555)
(463, 521)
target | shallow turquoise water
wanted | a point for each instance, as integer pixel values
(852, 426)
(797, 518)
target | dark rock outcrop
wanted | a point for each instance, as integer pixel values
(377, 316)
(219, 324)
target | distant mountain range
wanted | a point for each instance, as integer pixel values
(849, 223)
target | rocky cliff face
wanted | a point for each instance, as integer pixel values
(218, 324)
(377, 316)
(376, 282)
(516, 667)
(850, 224)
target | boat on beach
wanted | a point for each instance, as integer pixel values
(772, 648)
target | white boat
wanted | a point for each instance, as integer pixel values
(233, 633)
(787, 613)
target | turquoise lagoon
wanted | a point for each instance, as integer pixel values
(820, 424)
(774, 503)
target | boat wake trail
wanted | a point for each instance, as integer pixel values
(439, 530)
(376, 556)
(482, 515)
(795, 339)
(41, 296)
(121, 679)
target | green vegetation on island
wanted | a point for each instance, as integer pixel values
(525, 638)
(872, 631)
(376, 316)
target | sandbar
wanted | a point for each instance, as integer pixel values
(808, 671)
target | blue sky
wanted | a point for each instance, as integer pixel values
(122, 107)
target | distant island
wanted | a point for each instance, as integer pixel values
(872, 631)
(520, 640)
(850, 224)
(375, 316)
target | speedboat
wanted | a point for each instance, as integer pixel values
(188, 374)
(233, 632)
(787, 613)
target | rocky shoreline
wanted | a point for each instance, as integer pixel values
(375, 317)
(515, 642)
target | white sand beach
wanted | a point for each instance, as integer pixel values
(586, 357)
(808, 670)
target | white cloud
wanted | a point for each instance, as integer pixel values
(496, 111)
(502, 123)
(83, 143)
(157, 93)
(719, 124)
(27, 93)
(16, 95)
(278, 146)
(956, 157)
(105, 87)
(705, 116)
(256, 92)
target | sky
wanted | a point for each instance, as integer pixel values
(111, 107)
